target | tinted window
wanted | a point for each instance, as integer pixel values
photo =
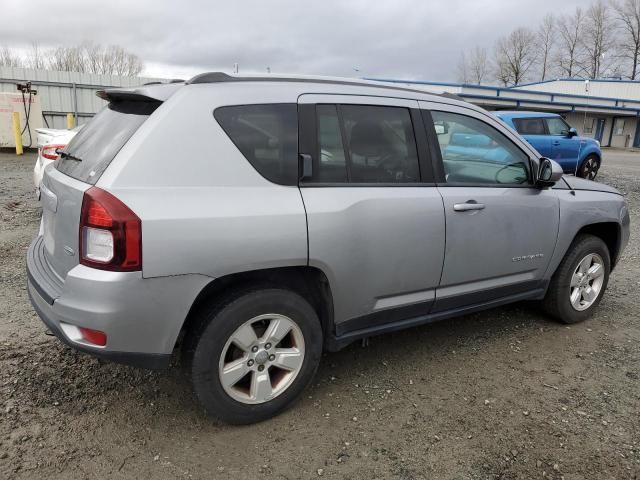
(529, 126)
(332, 164)
(98, 142)
(267, 135)
(475, 152)
(557, 126)
(380, 145)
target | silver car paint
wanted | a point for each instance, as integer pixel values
(393, 236)
(140, 315)
(207, 213)
(61, 204)
(499, 232)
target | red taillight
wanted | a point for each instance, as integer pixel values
(49, 151)
(110, 233)
(95, 337)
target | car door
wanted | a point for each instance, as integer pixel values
(375, 218)
(501, 229)
(566, 149)
(534, 132)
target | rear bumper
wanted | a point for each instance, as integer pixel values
(141, 317)
(142, 360)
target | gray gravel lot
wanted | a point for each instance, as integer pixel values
(503, 394)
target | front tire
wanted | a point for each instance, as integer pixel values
(580, 280)
(589, 168)
(254, 354)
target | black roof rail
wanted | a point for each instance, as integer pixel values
(214, 77)
(221, 77)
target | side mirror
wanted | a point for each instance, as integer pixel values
(442, 128)
(549, 173)
(572, 132)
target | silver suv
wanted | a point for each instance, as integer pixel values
(255, 222)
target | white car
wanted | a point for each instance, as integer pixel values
(49, 140)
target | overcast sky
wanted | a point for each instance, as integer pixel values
(409, 39)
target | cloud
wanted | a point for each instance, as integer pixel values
(419, 39)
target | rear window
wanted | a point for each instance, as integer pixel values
(94, 147)
(529, 126)
(267, 135)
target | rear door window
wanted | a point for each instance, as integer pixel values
(529, 126)
(94, 147)
(267, 136)
(365, 144)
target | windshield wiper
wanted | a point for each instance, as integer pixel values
(68, 155)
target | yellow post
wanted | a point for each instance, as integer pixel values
(70, 121)
(17, 133)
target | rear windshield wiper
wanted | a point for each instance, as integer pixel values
(68, 155)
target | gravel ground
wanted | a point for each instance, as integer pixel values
(502, 394)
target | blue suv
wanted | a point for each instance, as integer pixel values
(554, 138)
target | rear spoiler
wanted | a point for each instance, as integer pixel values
(146, 93)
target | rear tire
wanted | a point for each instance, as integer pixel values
(254, 353)
(580, 281)
(589, 168)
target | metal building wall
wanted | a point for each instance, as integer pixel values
(66, 92)
(629, 90)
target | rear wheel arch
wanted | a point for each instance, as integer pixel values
(309, 282)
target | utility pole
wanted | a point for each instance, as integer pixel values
(584, 123)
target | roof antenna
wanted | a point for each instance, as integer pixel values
(236, 68)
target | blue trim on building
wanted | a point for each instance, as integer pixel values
(597, 80)
(499, 90)
(508, 89)
(519, 101)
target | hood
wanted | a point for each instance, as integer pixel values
(576, 183)
(587, 140)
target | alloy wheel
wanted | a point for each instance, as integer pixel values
(590, 168)
(261, 359)
(586, 282)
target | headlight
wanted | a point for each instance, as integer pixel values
(598, 142)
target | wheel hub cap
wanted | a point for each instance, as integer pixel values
(262, 357)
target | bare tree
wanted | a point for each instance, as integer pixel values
(545, 42)
(514, 56)
(628, 14)
(569, 49)
(9, 59)
(35, 59)
(473, 67)
(479, 65)
(463, 69)
(93, 58)
(67, 59)
(112, 60)
(598, 39)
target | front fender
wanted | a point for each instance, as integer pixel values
(580, 209)
(590, 149)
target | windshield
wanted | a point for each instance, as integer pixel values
(94, 147)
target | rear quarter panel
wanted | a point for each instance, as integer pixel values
(204, 208)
